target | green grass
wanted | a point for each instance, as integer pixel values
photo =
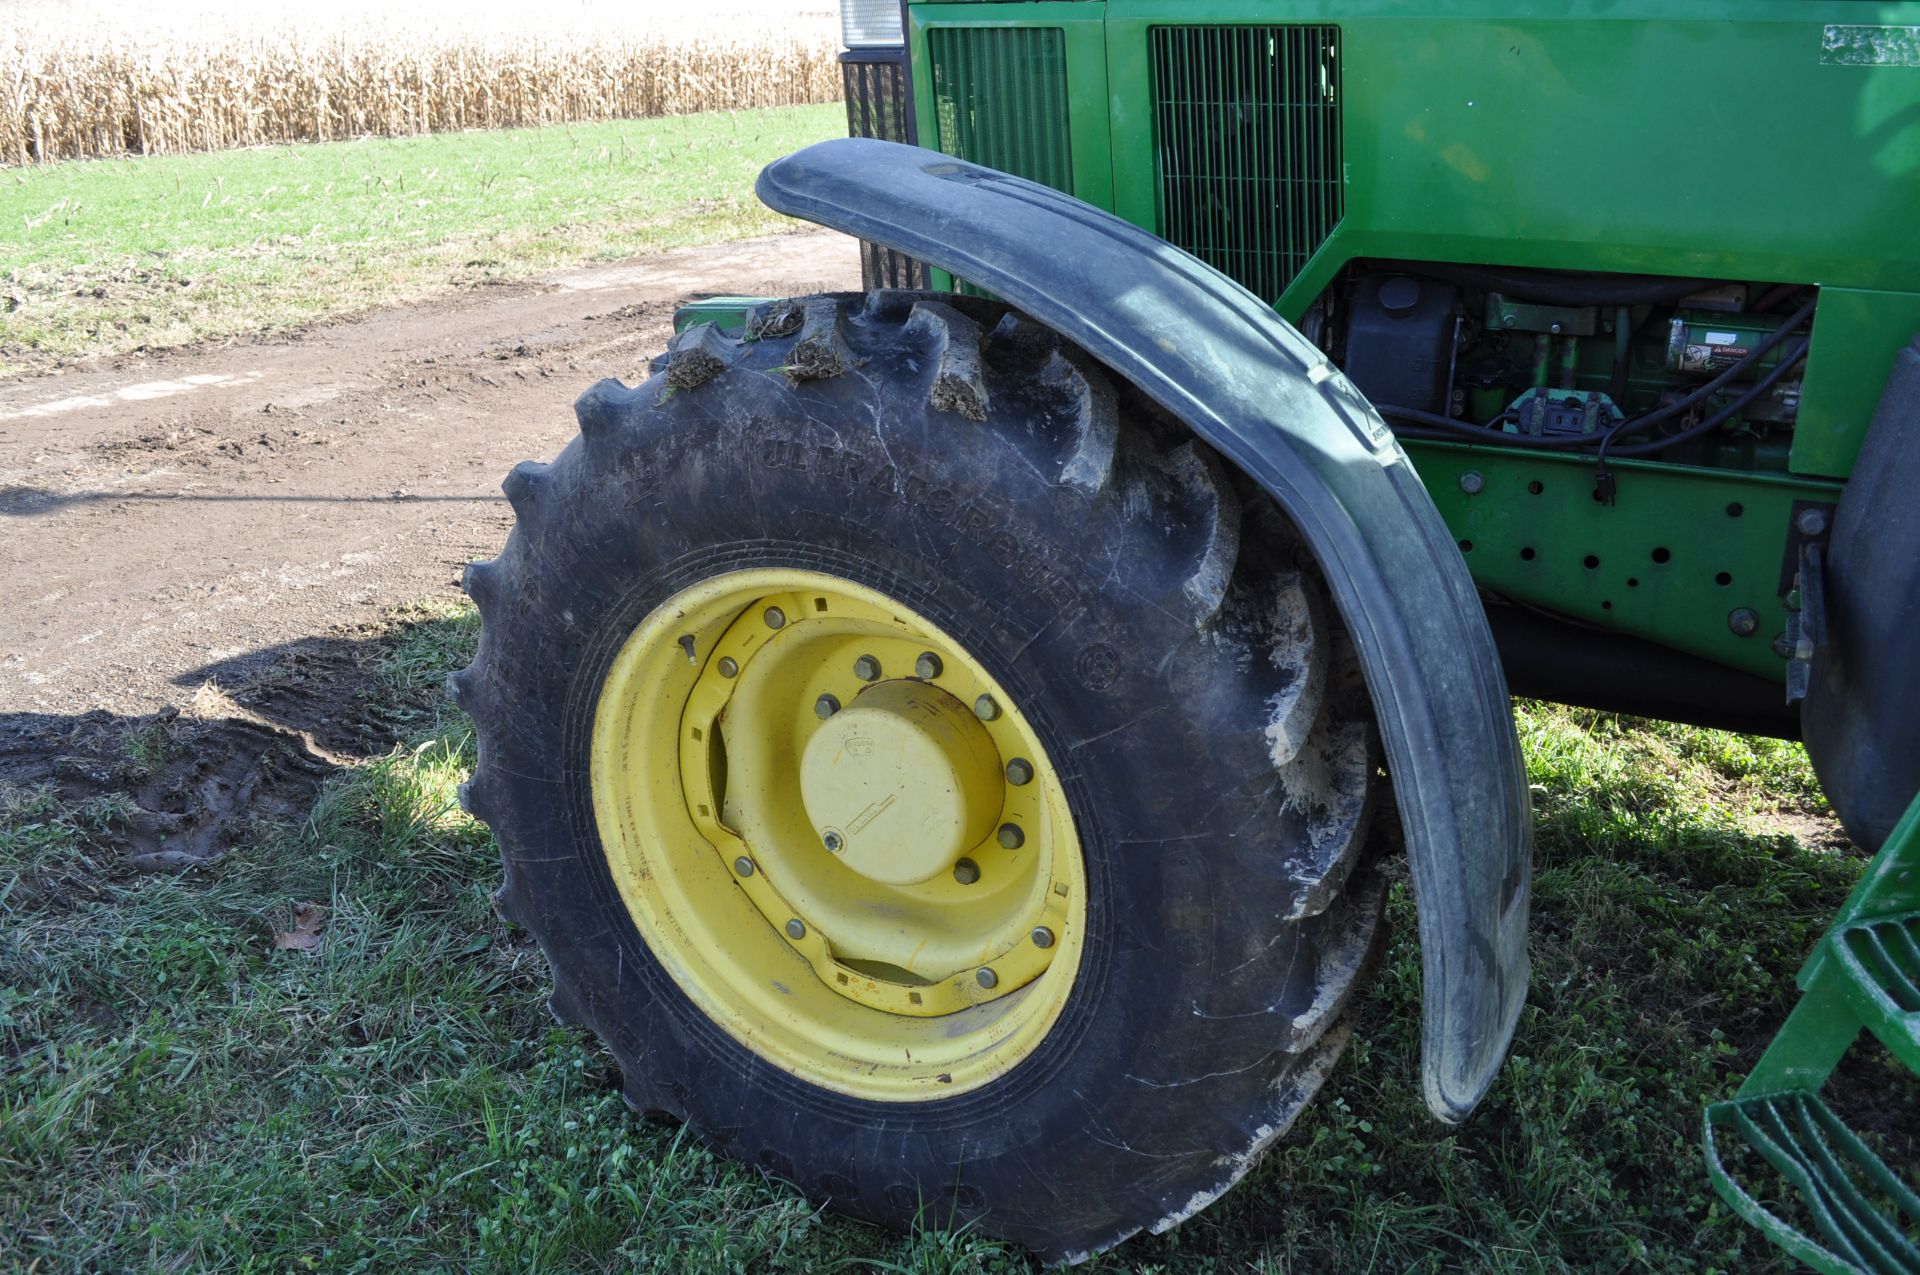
(107, 256)
(176, 1094)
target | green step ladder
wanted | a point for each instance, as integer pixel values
(1865, 972)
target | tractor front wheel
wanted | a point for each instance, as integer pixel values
(928, 774)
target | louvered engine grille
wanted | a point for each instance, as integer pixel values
(876, 99)
(1000, 99)
(1247, 147)
(877, 107)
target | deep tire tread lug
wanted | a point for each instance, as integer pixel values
(1195, 467)
(697, 355)
(524, 485)
(953, 341)
(480, 581)
(1094, 423)
(773, 320)
(1346, 945)
(602, 410)
(822, 350)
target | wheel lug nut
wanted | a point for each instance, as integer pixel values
(826, 706)
(966, 871)
(985, 709)
(987, 978)
(928, 666)
(1011, 837)
(795, 930)
(729, 667)
(833, 841)
(743, 866)
(775, 618)
(867, 669)
(1019, 772)
(1042, 936)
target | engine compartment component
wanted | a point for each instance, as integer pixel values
(1702, 372)
(1401, 337)
(1702, 343)
(1576, 413)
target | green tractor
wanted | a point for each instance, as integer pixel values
(944, 738)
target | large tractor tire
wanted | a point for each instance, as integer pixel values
(928, 773)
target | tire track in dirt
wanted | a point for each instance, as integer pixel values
(169, 514)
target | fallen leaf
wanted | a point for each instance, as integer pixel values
(308, 920)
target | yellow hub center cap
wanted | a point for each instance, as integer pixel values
(902, 782)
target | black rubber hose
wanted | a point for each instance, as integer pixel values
(1760, 387)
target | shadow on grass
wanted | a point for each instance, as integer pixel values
(177, 1092)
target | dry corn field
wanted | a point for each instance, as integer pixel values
(89, 80)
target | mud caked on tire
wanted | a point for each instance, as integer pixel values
(1165, 642)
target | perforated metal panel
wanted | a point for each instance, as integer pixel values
(1000, 99)
(1247, 146)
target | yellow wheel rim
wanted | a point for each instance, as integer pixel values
(838, 834)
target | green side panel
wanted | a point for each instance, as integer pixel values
(1855, 339)
(1673, 559)
(1247, 170)
(1664, 136)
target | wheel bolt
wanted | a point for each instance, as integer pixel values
(867, 669)
(928, 666)
(985, 709)
(775, 618)
(987, 978)
(729, 667)
(1042, 936)
(743, 865)
(1011, 837)
(966, 871)
(833, 841)
(1743, 621)
(826, 706)
(795, 930)
(1019, 772)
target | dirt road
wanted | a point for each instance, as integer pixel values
(168, 518)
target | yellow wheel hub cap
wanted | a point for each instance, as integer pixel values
(838, 834)
(901, 784)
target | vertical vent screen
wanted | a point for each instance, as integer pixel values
(1000, 99)
(1247, 147)
(877, 107)
(876, 95)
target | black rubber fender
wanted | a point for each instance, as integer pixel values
(1220, 360)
